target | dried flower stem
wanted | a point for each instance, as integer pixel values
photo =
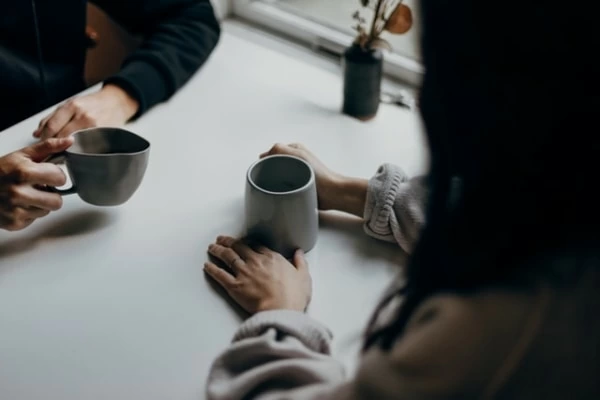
(369, 37)
(373, 33)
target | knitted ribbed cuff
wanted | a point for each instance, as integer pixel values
(294, 323)
(381, 194)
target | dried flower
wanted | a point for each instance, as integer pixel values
(400, 21)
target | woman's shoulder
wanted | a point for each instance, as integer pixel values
(482, 344)
(453, 345)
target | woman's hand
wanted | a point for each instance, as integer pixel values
(334, 191)
(260, 279)
(326, 179)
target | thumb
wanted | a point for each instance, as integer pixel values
(39, 151)
(300, 261)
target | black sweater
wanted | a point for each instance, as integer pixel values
(178, 37)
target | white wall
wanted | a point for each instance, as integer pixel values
(222, 8)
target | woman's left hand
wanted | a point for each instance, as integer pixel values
(260, 279)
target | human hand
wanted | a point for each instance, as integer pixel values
(21, 175)
(327, 180)
(334, 191)
(111, 106)
(260, 279)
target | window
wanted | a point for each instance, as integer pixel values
(327, 25)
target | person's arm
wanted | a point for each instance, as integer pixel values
(391, 204)
(178, 37)
(452, 347)
(279, 348)
(274, 355)
(394, 208)
(346, 194)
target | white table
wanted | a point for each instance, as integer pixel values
(112, 303)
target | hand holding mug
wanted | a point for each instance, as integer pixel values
(106, 165)
(334, 191)
(23, 175)
(326, 179)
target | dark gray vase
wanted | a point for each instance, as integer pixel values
(363, 70)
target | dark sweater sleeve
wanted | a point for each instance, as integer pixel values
(178, 36)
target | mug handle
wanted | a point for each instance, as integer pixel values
(59, 158)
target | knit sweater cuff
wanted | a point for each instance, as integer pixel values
(381, 195)
(293, 323)
(142, 81)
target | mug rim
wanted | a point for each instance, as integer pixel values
(79, 153)
(302, 188)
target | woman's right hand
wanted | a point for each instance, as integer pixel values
(334, 191)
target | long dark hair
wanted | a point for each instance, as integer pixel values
(511, 106)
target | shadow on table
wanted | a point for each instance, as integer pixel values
(243, 314)
(69, 225)
(314, 108)
(352, 228)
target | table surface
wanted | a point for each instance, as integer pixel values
(112, 303)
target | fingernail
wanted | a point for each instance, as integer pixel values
(210, 247)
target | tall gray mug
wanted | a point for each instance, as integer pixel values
(106, 165)
(281, 204)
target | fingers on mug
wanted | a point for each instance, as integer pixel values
(58, 159)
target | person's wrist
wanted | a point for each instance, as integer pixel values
(125, 102)
(331, 191)
(270, 305)
(349, 195)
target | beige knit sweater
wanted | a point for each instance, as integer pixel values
(504, 344)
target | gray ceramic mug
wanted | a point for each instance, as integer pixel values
(281, 204)
(106, 165)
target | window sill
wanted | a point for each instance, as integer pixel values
(319, 37)
(299, 50)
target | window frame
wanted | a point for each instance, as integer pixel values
(320, 37)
